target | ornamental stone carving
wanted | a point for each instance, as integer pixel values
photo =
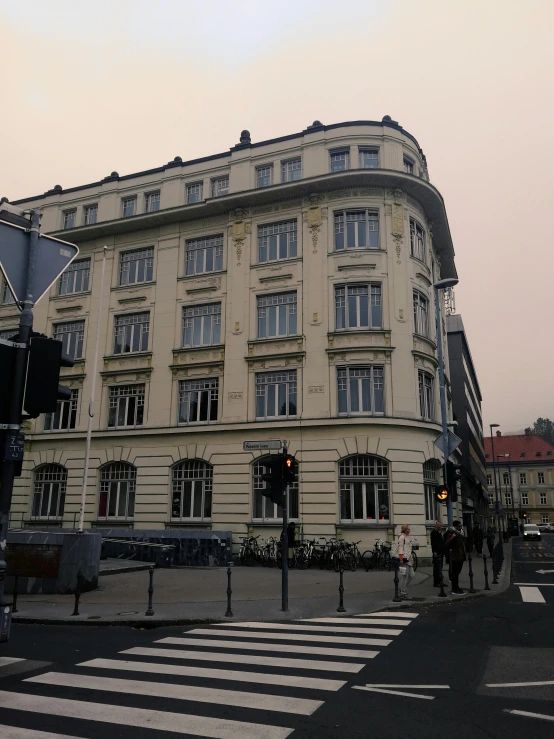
(239, 230)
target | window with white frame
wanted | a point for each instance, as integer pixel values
(129, 206)
(432, 505)
(360, 390)
(505, 478)
(69, 218)
(264, 175)
(204, 255)
(72, 337)
(152, 202)
(277, 315)
(426, 395)
(191, 491)
(291, 170)
(357, 306)
(131, 333)
(264, 508)
(542, 498)
(417, 241)
(126, 406)
(91, 214)
(489, 479)
(117, 491)
(544, 518)
(525, 499)
(508, 498)
(364, 490)
(8, 297)
(75, 278)
(49, 486)
(136, 266)
(202, 325)
(356, 229)
(220, 186)
(198, 400)
(194, 192)
(540, 478)
(65, 416)
(421, 314)
(523, 478)
(408, 165)
(369, 158)
(339, 160)
(276, 394)
(277, 241)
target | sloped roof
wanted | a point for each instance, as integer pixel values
(521, 448)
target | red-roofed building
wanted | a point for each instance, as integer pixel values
(524, 475)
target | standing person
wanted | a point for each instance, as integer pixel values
(406, 560)
(490, 540)
(437, 544)
(478, 539)
(455, 543)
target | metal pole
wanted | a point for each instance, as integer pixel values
(486, 572)
(471, 588)
(229, 611)
(444, 419)
(397, 598)
(150, 610)
(285, 547)
(497, 503)
(91, 401)
(77, 594)
(15, 592)
(341, 608)
(18, 390)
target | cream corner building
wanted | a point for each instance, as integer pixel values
(282, 289)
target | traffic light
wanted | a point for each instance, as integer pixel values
(273, 478)
(524, 515)
(290, 469)
(441, 493)
(7, 367)
(43, 390)
(453, 475)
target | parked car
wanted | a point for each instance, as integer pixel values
(531, 531)
(543, 528)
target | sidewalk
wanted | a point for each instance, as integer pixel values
(192, 595)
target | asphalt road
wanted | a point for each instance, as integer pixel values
(305, 679)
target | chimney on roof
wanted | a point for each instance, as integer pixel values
(499, 433)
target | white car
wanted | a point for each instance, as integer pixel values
(531, 531)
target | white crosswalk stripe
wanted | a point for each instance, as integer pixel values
(10, 660)
(293, 637)
(330, 627)
(531, 595)
(16, 732)
(355, 621)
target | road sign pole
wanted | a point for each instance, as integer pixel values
(285, 547)
(16, 403)
(444, 420)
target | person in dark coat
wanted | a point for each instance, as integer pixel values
(490, 540)
(437, 544)
(456, 545)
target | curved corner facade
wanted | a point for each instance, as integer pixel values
(282, 290)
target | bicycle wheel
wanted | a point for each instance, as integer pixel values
(367, 560)
(302, 560)
(414, 555)
(248, 557)
(351, 559)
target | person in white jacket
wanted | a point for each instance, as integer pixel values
(406, 560)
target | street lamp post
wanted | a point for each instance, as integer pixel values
(443, 285)
(497, 502)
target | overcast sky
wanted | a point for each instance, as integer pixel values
(91, 87)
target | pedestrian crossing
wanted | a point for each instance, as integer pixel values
(232, 680)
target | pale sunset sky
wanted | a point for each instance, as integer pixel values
(91, 87)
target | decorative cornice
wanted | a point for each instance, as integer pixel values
(69, 308)
(276, 278)
(200, 290)
(346, 267)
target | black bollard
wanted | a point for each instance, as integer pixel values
(150, 610)
(397, 598)
(229, 612)
(15, 591)
(442, 594)
(494, 570)
(77, 594)
(341, 608)
(486, 572)
(471, 588)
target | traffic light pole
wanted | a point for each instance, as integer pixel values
(444, 419)
(18, 390)
(285, 546)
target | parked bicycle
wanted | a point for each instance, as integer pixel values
(379, 557)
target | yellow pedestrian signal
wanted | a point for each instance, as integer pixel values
(441, 493)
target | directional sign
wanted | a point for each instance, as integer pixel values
(53, 256)
(453, 442)
(15, 444)
(265, 446)
(545, 572)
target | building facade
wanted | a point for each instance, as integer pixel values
(280, 290)
(524, 476)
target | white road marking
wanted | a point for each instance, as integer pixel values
(305, 627)
(415, 687)
(394, 692)
(10, 660)
(534, 584)
(240, 698)
(355, 621)
(249, 659)
(544, 572)
(293, 637)
(16, 732)
(519, 685)
(531, 595)
(528, 714)
(314, 683)
(176, 723)
(389, 614)
(267, 647)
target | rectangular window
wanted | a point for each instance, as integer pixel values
(357, 307)
(369, 158)
(220, 186)
(508, 497)
(362, 500)
(356, 229)
(136, 266)
(426, 396)
(505, 478)
(7, 295)
(131, 333)
(432, 505)
(205, 255)
(277, 241)
(76, 278)
(489, 479)
(339, 160)
(69, 219)
(126, 406)
(202, 325)
(129, 206)
(72, 336)
(152, 202)
(525, 499)
(198, 400)
(276, 394)
(264, 175)
(194, 192)
(543, 498)
(291, 170)
(91, 214)
(417, 241)
(360, 390)
(276, 315)
(540, 476)
(523, 478)
(544, 518)
(421, 314)
(408, 165)
(65, 416)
